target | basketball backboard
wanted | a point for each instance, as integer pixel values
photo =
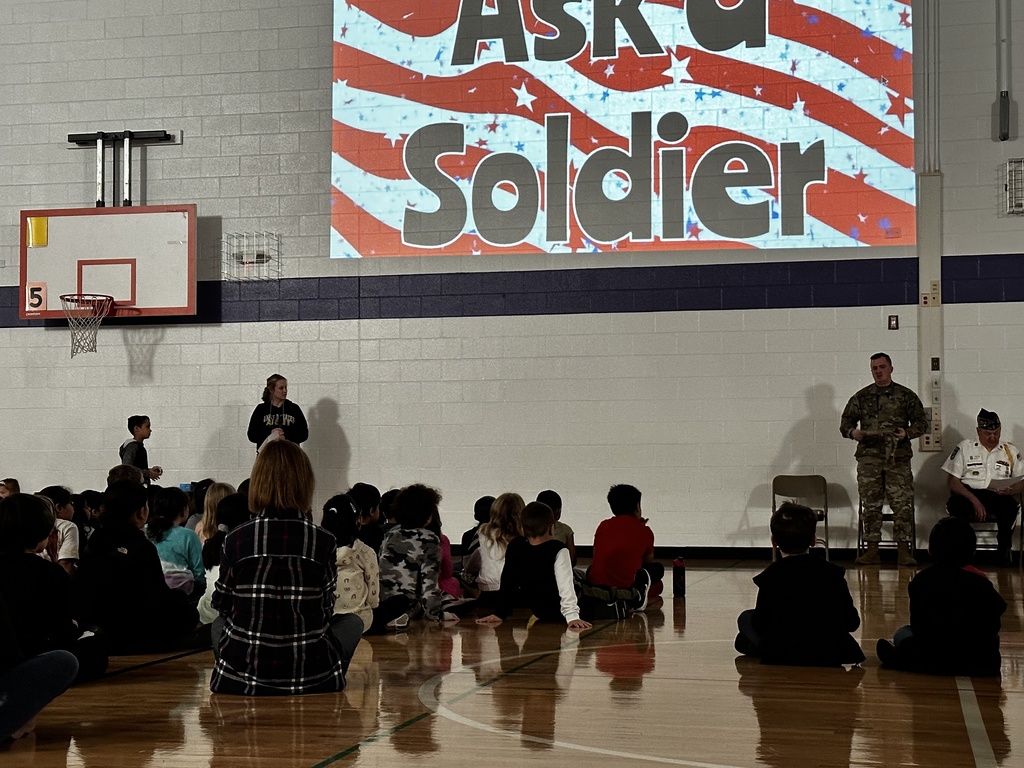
(143, 256)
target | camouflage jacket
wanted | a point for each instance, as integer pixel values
(409, 566)
(879, 412)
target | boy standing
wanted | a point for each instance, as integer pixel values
(538, 573)
(133, 452)
(804, 613)
(624, 548)
(954, 612)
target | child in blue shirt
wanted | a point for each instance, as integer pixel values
(181, 553)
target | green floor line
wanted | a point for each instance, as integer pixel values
(152, 663)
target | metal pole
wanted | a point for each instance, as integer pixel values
(99, 170)
(126, 161)
(1004, 69)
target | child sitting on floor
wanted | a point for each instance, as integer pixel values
(804, 612)
(181, 554)
(27, 684)
(211, 497)
(538, 573)
(471, 538)
(367, 498)
(624, 549)
(232, 511)
(358, 589)
(446, 576)
(38, 592)
(486, 562)
(954, 612)
(68, 537)
(121, 586)
(409, 563)
(563, 532)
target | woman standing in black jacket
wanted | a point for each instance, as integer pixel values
(277, 417)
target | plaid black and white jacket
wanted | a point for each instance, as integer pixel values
(276, 596)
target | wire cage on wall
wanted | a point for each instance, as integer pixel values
(251, 256)
(1015, 186)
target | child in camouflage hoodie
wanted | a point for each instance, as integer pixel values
(409, 563)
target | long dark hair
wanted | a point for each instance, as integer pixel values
(167, 508)
(341, 519)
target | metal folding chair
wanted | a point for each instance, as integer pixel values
(888, 516)
(809, 490)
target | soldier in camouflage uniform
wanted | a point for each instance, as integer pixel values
(883, 418)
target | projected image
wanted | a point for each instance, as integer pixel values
(526, 126)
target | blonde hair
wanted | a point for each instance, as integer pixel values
(214, 494)
(504, 524)
(282, 479)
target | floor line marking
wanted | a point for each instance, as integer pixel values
(428, 696)
(981, 747)
(153, 663)
(423, 715)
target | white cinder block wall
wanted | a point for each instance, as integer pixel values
(698, 409)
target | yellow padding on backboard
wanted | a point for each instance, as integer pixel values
(38, 231)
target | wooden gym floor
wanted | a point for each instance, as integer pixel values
(663, 688)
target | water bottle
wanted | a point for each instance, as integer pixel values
(679, 577)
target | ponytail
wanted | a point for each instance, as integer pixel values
(271, 383)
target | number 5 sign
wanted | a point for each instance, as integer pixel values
(35, 297)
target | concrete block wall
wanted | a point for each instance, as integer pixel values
(475, 375)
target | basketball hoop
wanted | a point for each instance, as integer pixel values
(85, 312)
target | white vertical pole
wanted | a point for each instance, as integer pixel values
(1003, 74)
(126, 161)
(99, 170)
(931, 341)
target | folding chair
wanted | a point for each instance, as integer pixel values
(987, 530)
(809, 490)
(888, 516)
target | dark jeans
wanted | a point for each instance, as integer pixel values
(28, 687)
(1002, 508)
(748, 642)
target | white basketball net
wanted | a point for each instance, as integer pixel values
(85, 312)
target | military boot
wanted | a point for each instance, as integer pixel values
(904, 555)
(870, 556)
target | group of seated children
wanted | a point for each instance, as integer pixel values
(411, 575)
(804, 612)
(286, 601)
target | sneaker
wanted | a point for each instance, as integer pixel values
(885, 651)
(399, 623)
(870, 556)
(643, 586)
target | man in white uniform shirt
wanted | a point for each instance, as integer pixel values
(972, 466)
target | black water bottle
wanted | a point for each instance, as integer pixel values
(679, 577)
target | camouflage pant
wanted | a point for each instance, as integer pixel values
(878, 483)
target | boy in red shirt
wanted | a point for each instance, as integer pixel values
(624, 548)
